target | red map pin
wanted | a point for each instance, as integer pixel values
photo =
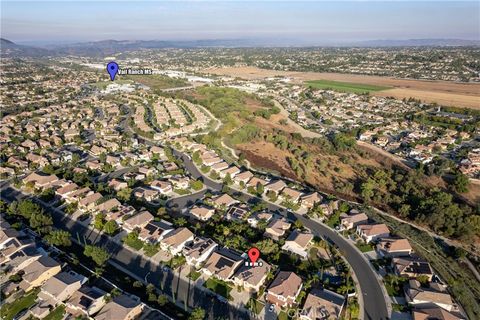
(253, 254)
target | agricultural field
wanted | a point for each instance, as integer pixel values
(344, 86)
(442, 92)
(156, 81)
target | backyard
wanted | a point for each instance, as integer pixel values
(10, 310)
(218, 287)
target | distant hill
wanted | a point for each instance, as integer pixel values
(5, 42)
(418, 43)
(10, 48)
(110, 47)
(107, 47)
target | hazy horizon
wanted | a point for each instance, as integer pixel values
(293, 23)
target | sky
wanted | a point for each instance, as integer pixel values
(299, 21)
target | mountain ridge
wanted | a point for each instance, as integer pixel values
(112, 46)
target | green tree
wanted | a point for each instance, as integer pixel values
(59, 238)
(368, 189)
(124, 194)
(41, 222)
(227, 180)
(298, 224)
(460, 182)
(267, 246)
(110, 227)
(180, 221)
(98, 255)
(197, 314)
(99, 221)
(162, 211)
(162, 300)
(196, 185)
(260, 188)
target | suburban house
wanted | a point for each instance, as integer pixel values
(158, 151)
(232, 171)
(86, 301)
(140, 221)
(198, 250)
(223, 263)
(237, 212)
(223, 200)
(290, 194)
(41, 181)
(107, 206)
(117, 185)
(394, 247)
(175, 240)
(350, 221)
(147, 171)
(7, 233)
(254, 181)
(122, 307)
(252, 278)
(38, 271)
(211, 161)
(416, 295)
(66, 189)
(371, 232)
(412, 267)
(146, 193)
(89, 202)
(276, 186)
(164, 187)
(434, 313)
(93, 165)
(220, 166)
(284, 289)
(311, 199)
(170, 166)
(180, 182)
(60, 287)
(298, 243)
(243, 177)
(254, 219)
(277, 228)
(322, 304)
(155, 231)
(202, 213)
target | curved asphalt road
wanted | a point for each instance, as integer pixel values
(373, 299)
(374, 303)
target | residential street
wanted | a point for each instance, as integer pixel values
(129, 260)
(371, 296)
(375, 307)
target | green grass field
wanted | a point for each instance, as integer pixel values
(218, 287)
(56, 314)
(344, 86)
(10, 310)
(157, 81)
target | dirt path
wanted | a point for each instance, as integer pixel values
(298, 128)
(397, 160)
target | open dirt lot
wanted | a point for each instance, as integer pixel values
(442, 92)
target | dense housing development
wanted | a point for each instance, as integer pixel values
(142, 198)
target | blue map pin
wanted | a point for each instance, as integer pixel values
(112, 68)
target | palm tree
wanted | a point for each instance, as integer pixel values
(315, 278)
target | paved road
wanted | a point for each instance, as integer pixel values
(167, 281)
(375, 307)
